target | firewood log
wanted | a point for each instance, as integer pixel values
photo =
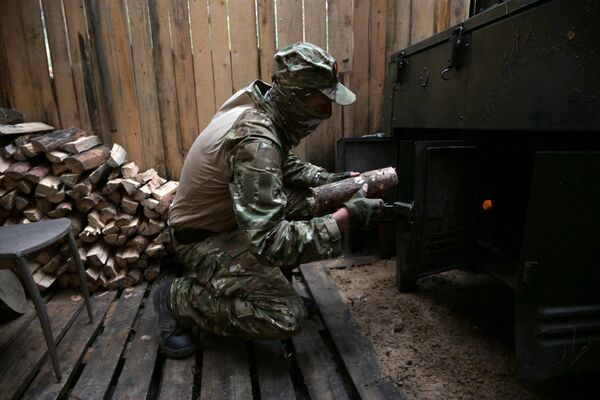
(147, 189)
(117, 156)
(151, 227)
(110, 268)
(84, 187)
(110, 228)
(59, 168)
(108, 213)
(129, 205)
(89, 234)
(8, 200)
(165, 190)
(28, 150)
(133, 277)
(81, 144)
(51, 266)
(100, 173)
(112, 185)
(129, 170)
(57, 156)
(131, 227)
(123, 219)
(87, 160)
(4, 164)
(9, 183)
(43, 280)
(149, 203)
(10, 116)
(93, 272)
(19, 156)
(98, 254)
(163, 237)
(118, 282)
(57, 197)
(48, 186)
(61, 210)
(25, 186)
(148, 213)
(139, 243)
(70, 179)
(18, 170)
(37, 173)
(153, 270)
(94, 220)
(22, 202)
(156, 250)
(54, 140)
(164, 204)
(8, 151)
(130, 185)
(32, 214)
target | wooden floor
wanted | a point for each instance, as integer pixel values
(117, 357)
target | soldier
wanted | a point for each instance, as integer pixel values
(240, 219)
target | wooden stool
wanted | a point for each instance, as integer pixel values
(17, 241)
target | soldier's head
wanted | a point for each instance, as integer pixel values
(305, 85)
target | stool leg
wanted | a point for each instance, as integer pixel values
(84, 285)
(42, 312)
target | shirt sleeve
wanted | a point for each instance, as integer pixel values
(300, 173)
(259, 203)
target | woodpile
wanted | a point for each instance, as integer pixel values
(118, 212)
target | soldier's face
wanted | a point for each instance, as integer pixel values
(319, 103)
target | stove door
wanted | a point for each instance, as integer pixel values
(438, 235)
(557, 312)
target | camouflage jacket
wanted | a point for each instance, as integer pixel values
(262, 167)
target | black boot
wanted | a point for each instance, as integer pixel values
(174, 340)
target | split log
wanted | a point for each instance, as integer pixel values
(129, 205)
(147, 189)
(126, 256)
(88, 159)
(94, 219)
(110, 228)
(18, 170)
(139, 243)
(8, 151)
(129, 170)
(163, 237)
(57, 156)
(164, 204)
(51, 266)
(84, 187)
(151, 227)
(19, 156)
(117, 156)
(8, 200)
(123, 219)
(57, 197)
(28, 150)
(32, 214)
(130, 185)
(133, 277)
(115, 239)
(10, 116)
(149, 203)
(156, 250)
(148, 213)
(110, 269)
(37, 173)
(112, 185)
(21, 202)
(93, 272)
(25, 186)
(61, 210)
(59, 168)
(48, 186)
(165, 190)
(153, 270)
(9, 183)
(43, 280)
(148, 175)
(100, 173)
(98, 254)
(118, 282)
(54, 140)
(332, 195)
(77, 223)
(70, 180)
(108, 213)
(89, 234)
(4, 164)
(131, 227)
(81, 144)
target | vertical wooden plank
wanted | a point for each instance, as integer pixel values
(117, 51)
(441, 15)
(244, 45)
(220, 51)
(203, 63)
(36, 51)
(398, 26)
(459, 11)
(78, 35)
(422, 24)
(358, 79)
(61, 67)
(165, 86)
(266, 32)
(145, 85)
(289, 31)
(5, 83)
(184, 74)
(377, 63)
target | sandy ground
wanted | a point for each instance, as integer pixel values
(451, 339)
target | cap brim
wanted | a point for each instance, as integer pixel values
(340, 94)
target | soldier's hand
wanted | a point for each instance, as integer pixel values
(330, 177)
(363, 210)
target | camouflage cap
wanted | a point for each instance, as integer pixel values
(307, 66)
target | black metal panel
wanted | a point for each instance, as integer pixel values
(558, 301)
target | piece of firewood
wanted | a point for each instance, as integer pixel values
(89, 234)
(77, 223)
(21, 202)
(131, 227)
(332, 195)
(61, 210)
(11, 116)
(112, 185)
(28, 150)
(117, 156)
(51, 266)
(163, 237)
(57, 156)
(129, 205)
(149, 203)
(54, 140)
(93, 272)
(19, 156)
(126, 256)
(81, 144)
(148, 213)
(32, 214)
(110, 228)
(4, 164)
(59, 168)
(25, 186)
(123, 219)
(141, 262)
(147, 189)
(115, 197)
(57, 197)
(94, 219)
(164, 204)
(8, 200)
(84, 187)
(108, 213)
(9, 150)
(165, 190)
(87, 160)
(129, 170)
(118, 282)
(100, 173)
(133, 277)
(153, 270)
(38, 172)
(148, 175)
(9, 183)
(70, 179)
(43, 204)
(110, 268)
(98, 254)
(130, 185)
(49, 185)
(115, 239)
(151, 227)
(18, 170)
(43, 280)
(139, 242)
(156, 250)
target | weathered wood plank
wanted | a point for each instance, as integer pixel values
(36, 52)
(61, 68)
(244, 46)
(441, 15)
(95, 378)
(10, 330)
(422, 21)
(220, 51)
(203, 72)
(354, 348)
(225, 371)
(459, 11)
(165, 86)
(377, 63)
(22, 360)
(266, 31)
(184, 74)
(359, 77)
(178, 379)
(71, 350)
(25, 127)
(145, 84)
(134, 381)
(273, 373)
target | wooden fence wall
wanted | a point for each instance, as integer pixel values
(149, 74)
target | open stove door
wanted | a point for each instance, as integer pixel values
(437, 233)
(557, 304)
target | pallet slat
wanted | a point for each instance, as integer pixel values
(273, 373)
(178, 379)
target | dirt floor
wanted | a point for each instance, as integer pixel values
(451, 339)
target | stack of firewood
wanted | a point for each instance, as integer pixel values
(118, 213)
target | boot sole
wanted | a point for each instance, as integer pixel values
(184, 353)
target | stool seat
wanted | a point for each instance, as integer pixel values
(20, 240)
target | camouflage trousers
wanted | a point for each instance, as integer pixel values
(228, 292)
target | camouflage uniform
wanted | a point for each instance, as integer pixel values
(237, 286)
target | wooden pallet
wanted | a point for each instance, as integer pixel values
(117, 357)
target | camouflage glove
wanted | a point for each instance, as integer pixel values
(321, 178)
(362, 210)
